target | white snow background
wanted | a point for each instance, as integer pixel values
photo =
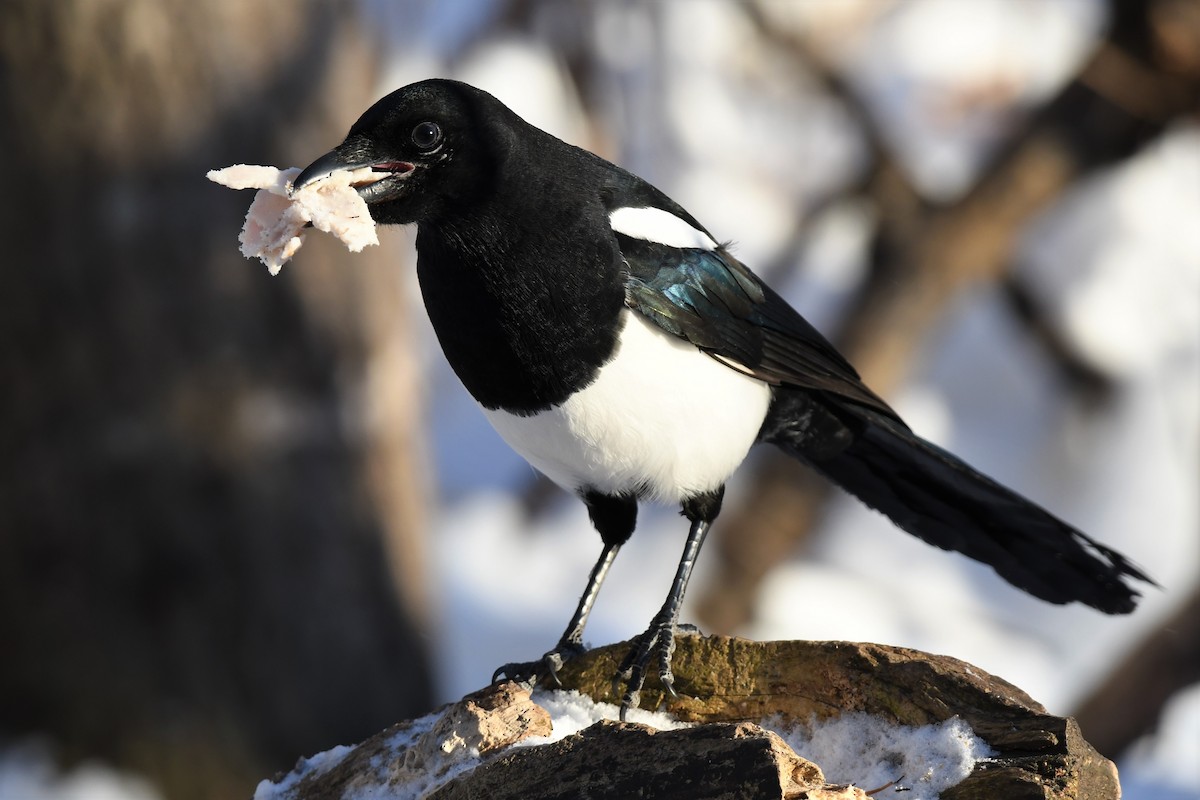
(743, 140)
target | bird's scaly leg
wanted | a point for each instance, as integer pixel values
(571, 642)
(659, 638)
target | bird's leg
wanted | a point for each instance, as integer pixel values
(614, 516)
(660, 636)
(570, 644)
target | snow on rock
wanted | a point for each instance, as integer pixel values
(855, 748)
(275, 223)
(412, 759)
(571, 712)
(306, 769)
(870, 752)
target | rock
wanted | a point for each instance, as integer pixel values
(725, 684)
(492, 718)
(620, 760)
(721, 678)
(419, 754)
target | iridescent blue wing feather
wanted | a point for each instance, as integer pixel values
(711, 299)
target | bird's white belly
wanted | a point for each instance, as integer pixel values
(661, 420)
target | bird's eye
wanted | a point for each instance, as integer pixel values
(427, 135)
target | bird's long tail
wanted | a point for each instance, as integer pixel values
(939, 498)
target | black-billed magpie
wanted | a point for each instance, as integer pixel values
(626, 354)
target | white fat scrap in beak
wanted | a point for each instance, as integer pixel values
(275, 224)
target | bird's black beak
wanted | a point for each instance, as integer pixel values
(325, 166)
(384, 182)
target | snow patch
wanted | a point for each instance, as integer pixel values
(870, 752)
(410, 779)
(1164, 765)
(28, 772)
(312, 767)
(572, 712)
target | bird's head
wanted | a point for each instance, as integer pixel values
(429, 145)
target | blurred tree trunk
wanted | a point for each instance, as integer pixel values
(195, 532)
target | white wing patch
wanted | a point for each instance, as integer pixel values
(656, 225)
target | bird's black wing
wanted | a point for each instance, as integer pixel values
(715, 302)
(710, 299)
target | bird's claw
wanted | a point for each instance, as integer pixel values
(658, 639)
(518, 671)
(530, 672)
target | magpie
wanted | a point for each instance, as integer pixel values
(625, 353)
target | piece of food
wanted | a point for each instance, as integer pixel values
(275, 223)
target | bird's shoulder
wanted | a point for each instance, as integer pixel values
(690, 284)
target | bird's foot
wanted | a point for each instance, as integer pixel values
(658, 640)
(549, 664)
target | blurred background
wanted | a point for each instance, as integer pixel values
(244, 519)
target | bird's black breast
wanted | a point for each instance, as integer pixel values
(525, 307)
